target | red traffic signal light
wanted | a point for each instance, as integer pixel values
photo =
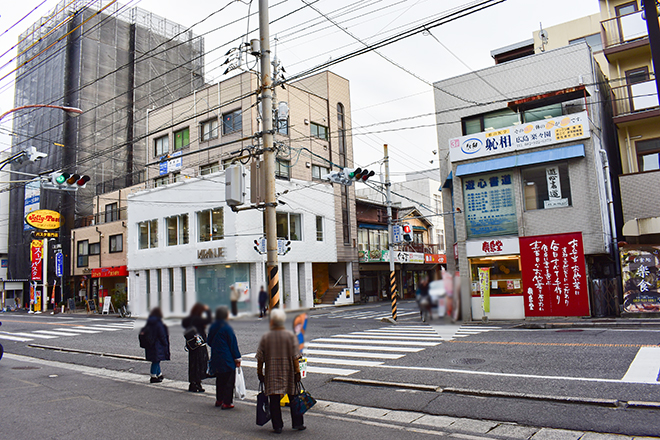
(407, 233)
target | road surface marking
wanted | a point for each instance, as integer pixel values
(348, 362)
(52, 332)
(553, 344)
(98, 327)
(449, 332)
(13, 338)
(31, 335)
(77, 330)
(307, 351)
(373, 341)
(389, 336)
(645, 367)
(311, 369)
(366, 347)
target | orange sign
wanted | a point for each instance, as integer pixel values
(435, 259)
(43, 219)
(119, 271)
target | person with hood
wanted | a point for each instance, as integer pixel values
(225, 358)
(198, 357)
(159, 349)
(263, 302)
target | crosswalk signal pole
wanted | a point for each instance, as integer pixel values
(269, 158)
(390, 231)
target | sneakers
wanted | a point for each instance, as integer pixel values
(227, 406)
(156, 379)
(218, 403)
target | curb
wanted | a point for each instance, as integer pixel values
(97, 353)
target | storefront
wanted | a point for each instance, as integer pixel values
(640, 267)
(213, 284)
(108, 281)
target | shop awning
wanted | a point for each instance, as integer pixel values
(641, 226)
(448, 182)
(520, 160)
(372, 226)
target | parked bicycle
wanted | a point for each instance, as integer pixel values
(124, 312)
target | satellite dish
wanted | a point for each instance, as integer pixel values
(543, 35)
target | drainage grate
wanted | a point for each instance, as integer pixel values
(26, 368)
(468, 361)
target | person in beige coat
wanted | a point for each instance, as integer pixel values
(234, 295)
(278, 351)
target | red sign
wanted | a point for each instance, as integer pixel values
(435, 258)
(554, 275)
(36, 258)
(119, 271)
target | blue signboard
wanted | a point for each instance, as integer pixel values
(490, 207)
(59, 264)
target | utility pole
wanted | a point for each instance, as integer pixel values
(651, 15)
(44, 292)
(269, 158)
(390, 231)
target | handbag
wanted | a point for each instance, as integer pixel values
(239, 384)
(302, 401)
(193, 339)
(263, 409)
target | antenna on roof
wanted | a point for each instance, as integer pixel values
(543, 35)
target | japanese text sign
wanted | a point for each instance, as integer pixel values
(641, 285)
(554, 275)
(490, 207)
(36, 254)
(520, 137)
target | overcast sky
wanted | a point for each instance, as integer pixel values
(380, 90)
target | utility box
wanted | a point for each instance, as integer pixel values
(235, 184)
(257, 182)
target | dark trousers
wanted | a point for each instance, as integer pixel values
(224, 386)
(276, 413)
(234, 308)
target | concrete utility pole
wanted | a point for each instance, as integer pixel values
(390, 231)
(269, 158)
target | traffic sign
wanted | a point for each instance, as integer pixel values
(59, 264)
(397, 234)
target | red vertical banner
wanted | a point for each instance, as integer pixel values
(36, 257)
(554, 275)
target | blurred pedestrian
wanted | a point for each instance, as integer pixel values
(263, 302)
(424, 299)
(198, 358)
(159, 349)
(225, 358)
(278, 350)
(234, 295)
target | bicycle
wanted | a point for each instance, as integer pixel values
(124, 312)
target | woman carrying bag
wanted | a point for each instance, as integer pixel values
(225, 358)
(198, 356)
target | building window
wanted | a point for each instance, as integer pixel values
(95, 249)
(83, 253)
(209, 169)
(210, 224)
(345, 216)
(490, 121)
(209, 129)
(161, 146)
(490, 204)
(319, 228)
(638, 75)
(648, 154)
(148, 233)
(418, 237)
(232, 122)
(159, 286)
(546, 186)
(283, 169)
(178, 177)
(319, 171)
(161, 181)
(116, 243)
(626, 8)
(318, 131)
(170, 273)
(594, 41)
(371, 243)
(289, 226)
(147, 283)
(177, 230)
(540, 113)
(341, 130)
(184, 282)
(111, 212)
(181, 139)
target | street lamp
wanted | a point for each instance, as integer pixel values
(73, 111)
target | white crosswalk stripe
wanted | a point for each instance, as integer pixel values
(363, 349)
(365, 314)
(95, 326)
(451, 332)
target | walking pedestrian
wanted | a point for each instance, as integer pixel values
(198, 358)
(278, 350)
(159, 349)
(225, 358)
(263, 302)
(424, 299)
(234, 295)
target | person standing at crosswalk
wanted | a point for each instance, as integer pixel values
(159, 349)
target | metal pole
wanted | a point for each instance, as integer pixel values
(44, 292)
(390, 231)
(269, 158)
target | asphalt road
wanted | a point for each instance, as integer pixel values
(594, 379)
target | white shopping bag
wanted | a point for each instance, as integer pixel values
(239, 385)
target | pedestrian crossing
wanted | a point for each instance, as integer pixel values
(72, 330)
(366, 314)
(451, 332)
(369, 348)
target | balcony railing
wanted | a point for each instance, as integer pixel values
(630, 98)
(623, 29)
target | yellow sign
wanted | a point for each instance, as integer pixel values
(497, 133)
(569, 132)
(43, 219)
(484, 288)
(46, 234)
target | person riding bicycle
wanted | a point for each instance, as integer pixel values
(424, 299)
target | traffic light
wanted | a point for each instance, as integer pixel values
(358, 174)
(66, 181)
(407, 233)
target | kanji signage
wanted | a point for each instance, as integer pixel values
(640, 267)
(435, 259)
(492, 246)
(490, 207)
(520, 137)
(119, 271)
(554, 275)
(36, 258)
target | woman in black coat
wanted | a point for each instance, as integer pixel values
(159, 350)
(198, 358)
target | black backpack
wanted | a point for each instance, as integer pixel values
(146, 337)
